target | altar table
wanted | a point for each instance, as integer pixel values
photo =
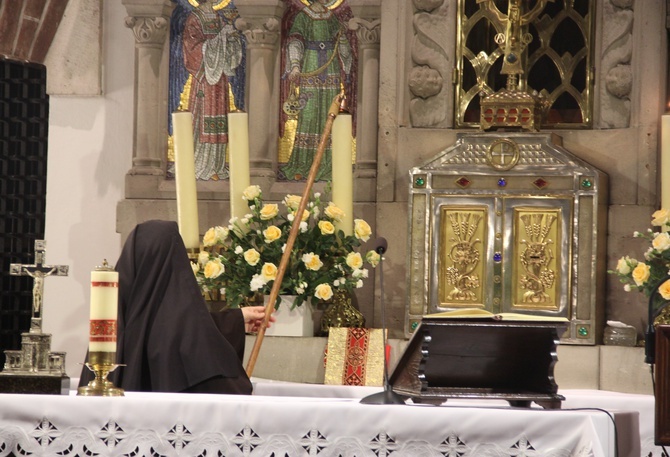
(154, 424)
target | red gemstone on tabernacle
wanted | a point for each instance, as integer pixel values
(463, 181)
(540, 183)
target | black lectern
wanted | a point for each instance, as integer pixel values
(481, 358)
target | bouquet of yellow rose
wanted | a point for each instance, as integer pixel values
(646, 275)
(240, 261)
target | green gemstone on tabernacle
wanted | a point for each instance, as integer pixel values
(583, 331)
(414, 325)
(420, 181)
(587, 183)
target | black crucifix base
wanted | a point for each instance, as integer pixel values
(481, 359)
(38, 383)
(34, 369)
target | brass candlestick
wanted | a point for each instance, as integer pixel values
(101, 364)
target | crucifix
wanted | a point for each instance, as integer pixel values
(38, 271)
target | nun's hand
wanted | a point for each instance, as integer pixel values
(253, 318)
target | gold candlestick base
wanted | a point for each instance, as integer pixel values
(102, 363)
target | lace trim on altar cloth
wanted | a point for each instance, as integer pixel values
(46, 439)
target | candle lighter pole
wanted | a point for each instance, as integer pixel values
(293, 234)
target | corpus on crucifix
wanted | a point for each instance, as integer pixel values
(38, 271)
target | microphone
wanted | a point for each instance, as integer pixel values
(387, 396)
(380, 245)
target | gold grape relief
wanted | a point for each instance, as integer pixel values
(536, 241)
(462, 231)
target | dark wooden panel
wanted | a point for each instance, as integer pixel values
(662, 413)
(24, 125)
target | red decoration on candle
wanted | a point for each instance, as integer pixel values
(103, 330)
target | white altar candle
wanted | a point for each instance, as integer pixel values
(343, 188)
(104, 309)
(665, 161)
(238, 158)
(187, 196)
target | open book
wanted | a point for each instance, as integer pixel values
(477, 313)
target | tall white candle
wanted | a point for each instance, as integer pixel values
(184, 162)
(343, 188)
(104, 309)
(665, 161)
(238, 158)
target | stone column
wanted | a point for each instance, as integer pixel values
(149, 21)
(260, 21)
(368, 33)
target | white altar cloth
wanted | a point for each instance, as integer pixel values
(643, 404)
(153, 424)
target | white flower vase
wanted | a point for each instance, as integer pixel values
(291, 322)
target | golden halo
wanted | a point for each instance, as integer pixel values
(330, 4)
(222, 4)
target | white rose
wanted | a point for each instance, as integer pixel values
(326, 227)
(661, 218)
(323, 292)
(641, 273)
(362, 229)
(360, 273)
(661, 241)
(257, 283)
(373, 258)
(269, 271)
(269, 211)
(292, 202)
(272, 233)
(252, 256)
(625, 264)
(251, 193)
(221, 233)
(312, 261)
(334, 212)
(203, 257)
(354, 260)
(209, 238)
(213, 269)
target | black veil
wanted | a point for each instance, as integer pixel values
(167, 339)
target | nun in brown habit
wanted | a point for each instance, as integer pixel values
(167, 339)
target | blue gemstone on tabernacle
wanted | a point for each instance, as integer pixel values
(502, 182)
(497, 257)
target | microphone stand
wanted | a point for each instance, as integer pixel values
(387, 396)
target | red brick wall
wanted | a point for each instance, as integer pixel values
(27, 27)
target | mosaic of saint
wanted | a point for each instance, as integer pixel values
(319, 60)
(207, 76)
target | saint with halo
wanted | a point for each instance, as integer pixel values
(319, 60)
(207, 65)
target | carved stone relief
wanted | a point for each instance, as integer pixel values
(432, 62)
(615, 63)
